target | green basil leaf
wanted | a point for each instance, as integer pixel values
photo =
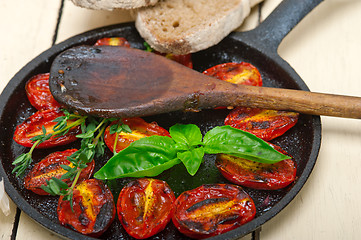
(189, 134)
(192, 159)
(181, 147)
(229, 140)
(147, 156)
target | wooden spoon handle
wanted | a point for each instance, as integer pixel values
(295, 100)
(122, 82)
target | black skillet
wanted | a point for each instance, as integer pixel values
(258, 47)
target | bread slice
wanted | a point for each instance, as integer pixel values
(186, 26)
(112, 4)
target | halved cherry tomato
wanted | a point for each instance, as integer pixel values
(140, 129)
(50, 167)
(145, 207)
(38, 93)
(93, 205)
(265, 124)
(257, 175)
(238, 73)
(32, 127)
(212, 209)
(113, 41)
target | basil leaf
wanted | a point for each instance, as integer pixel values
(229, 140)
(181, 147)
(192, 159)
(147, 156)
(189, 134)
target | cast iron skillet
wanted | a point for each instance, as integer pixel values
(259, 47)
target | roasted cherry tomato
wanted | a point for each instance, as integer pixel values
(93, 208)
(257, 175)
(145, 206)
(50, 167)
(212, 209)
(32, 127)
(113, 41)
(140, 129)
(39, 95)
(238, 73)
(265, 124)
(185, 60)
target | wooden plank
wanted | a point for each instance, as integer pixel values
(28, 227)
(325, 50)
(76, 20)
(27, 31)
(7, 222)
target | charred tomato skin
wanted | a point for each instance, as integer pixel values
(257, 175)
(265, 124)
(113, 41)
(93, 205)
(145, 207)
(238, 73)
(32, 127)
(50, 167)
(38, 92)
(212, 209)
(140, 129)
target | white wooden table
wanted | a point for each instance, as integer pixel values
(324, 49)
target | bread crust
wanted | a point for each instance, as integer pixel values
(113, 4)
(186, 37)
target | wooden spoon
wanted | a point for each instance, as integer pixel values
(124, 82)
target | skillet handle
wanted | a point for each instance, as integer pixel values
(269, 34)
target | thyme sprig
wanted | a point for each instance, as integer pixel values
(62, 127)
(92, 145)
(116, 129)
